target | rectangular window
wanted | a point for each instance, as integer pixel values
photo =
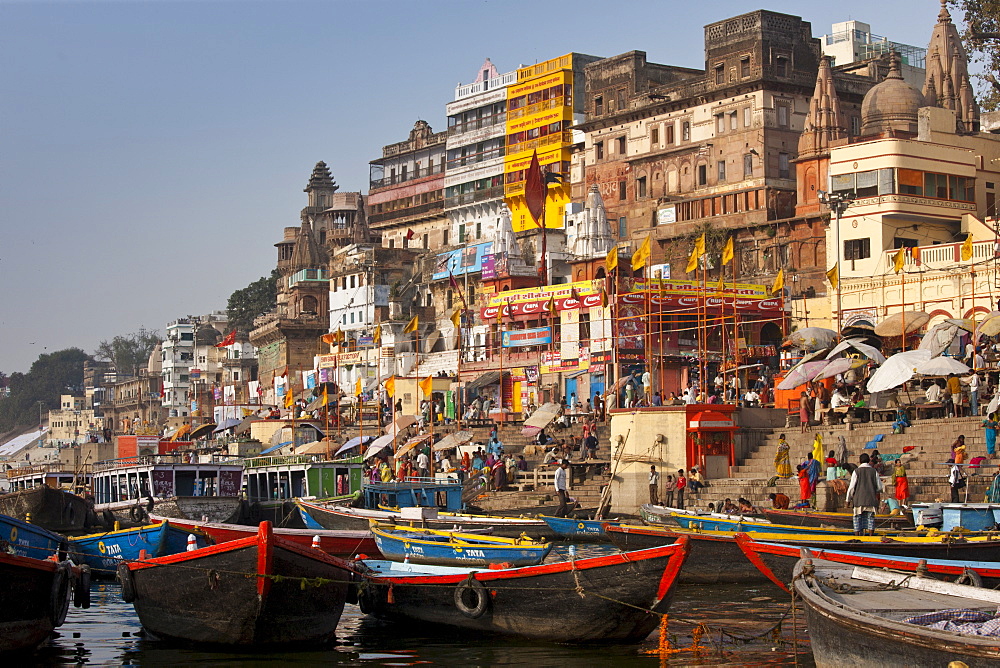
(621, 191)
(745, 66)
(732, 120)
(598, 105)
(856, 249)
(686, 131)
(867, 183)
(783, 171)
(461, 234)
(444, 237)
(720, 74)
(720, 123)
(783, 114)
(991, 204)
(621, 145)
(669, 133)
(702, 174)
(747, 116)
(903, 242)
(599, 150)
(781, 66)
(654, 136)
(721, 168)
(747, 164)
(622, 227)
(855, 126)
(621, 99)
(640, 185)
(479, 230)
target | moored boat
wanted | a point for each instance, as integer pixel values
(258, 591)
(715, 523)
(815, 518)
(53, 509)
(777, 562)
(104, 551)
(338, 543)
(29, 540)
(854, 619)
(611, 598)
(35, 596)
(451, 548)
(568, 528)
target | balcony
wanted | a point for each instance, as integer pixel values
(564, 137)
(544, 105)
(410, 175)
(496, 192)
(408, 212)
(943, 256)
(496, 120)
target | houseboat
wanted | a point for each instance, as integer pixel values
(56, 475)
(271, 482)
(184, 486)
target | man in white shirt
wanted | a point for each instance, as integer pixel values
(751, 397)
(647, 386)
(654, 486)
(974, 383)
(423, 465)
(839, 398)
(933, 393)
(562, 489)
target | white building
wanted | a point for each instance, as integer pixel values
(851, 42)
(192, 364)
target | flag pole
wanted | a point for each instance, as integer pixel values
(500, 344)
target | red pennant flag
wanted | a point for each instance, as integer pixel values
(410, 234)
(534, 190)
(228, 340)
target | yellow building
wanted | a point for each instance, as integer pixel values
(542, 107)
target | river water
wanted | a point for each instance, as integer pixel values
(109, 634)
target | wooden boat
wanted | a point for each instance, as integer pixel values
(716, 558)
(342, 544)
(714, 523)
(813, 518)
(342, 517)
(852, 622)
(451, 548)
(664, 515)
(52, 509)
(29, 540)
(777, 561)
(104, 551)
(35, 596)
(626, 591)
(244, 592)
(568, 528)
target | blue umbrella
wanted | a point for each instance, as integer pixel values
(275, 447)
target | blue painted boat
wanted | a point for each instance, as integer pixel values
(105, 551)
(30, 540)
(573, 529)
(736, 524)
(451, 548)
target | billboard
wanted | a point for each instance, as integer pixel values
(468, 260)
(535, 336)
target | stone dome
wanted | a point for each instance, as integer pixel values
(155, 362)
(891, 105)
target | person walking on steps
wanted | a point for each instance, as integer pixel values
(562, 489)
(863, 496)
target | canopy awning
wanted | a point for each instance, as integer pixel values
(412, 443)
(545, 414)
(202, 430)
(484, 379)
(453, 440)
(275, 447)
(711, 421)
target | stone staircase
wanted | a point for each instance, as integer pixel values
(931, 438)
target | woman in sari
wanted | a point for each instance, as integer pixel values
(958, 449)
(902, 492)
(781, 464)
(805, 492)
(990, 426)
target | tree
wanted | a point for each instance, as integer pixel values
(982, 40)
(51, 375)
(128, 353)
(254, 300)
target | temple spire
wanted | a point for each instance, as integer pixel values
(824, 122)
(947, 73)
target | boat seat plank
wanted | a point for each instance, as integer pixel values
(874, 602)
(927, 584)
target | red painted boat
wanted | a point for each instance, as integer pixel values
(612, 598)
(35, 596)
(336, 542)
(258, 591)
(777, 562)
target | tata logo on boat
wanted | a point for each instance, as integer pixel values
(108, 549)
(472, 554)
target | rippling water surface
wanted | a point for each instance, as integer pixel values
(109, 634)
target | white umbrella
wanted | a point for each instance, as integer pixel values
(453, 440)
(811, 338)
(941, 366)
(838, 366)
(543, 416)
(376, 446)
(858, 344)
(994, 404)
(938, 338)
(897, 370)
(989, 325)
(802, 374)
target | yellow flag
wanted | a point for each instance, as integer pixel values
(604, 298)
(692, 261)
(722, 283)
(551, 306)
(330, 338)
(699, 245)
(427, 385)
(357, 386)
(611, 261)
(289, 398)
(967, 249)
(834, 276)
(412, 325)
(500, 315)
(899, 259)
(779, 282)
(640, 257)
(326, 397)
(390, 386)
(377, 336)
(456, 318)
(727, 252)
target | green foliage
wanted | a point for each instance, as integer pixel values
(254, 300)
(128, 353)
(51, 375)
(982, 40)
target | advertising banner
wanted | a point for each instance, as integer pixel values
(460, 261)
(536, 336)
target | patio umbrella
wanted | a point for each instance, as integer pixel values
(808, 357)
(858, 344)
(897, 370)
(404, 421)
(314, 448)
(939, 337)
(968, 324)
(410, 444)
(941, 366)
(989, 325)
(893, 325)
(355, 442)
(839, 366)
(811, 338)
(227, 423)
(453, 440)
(802, 374)
(545, 414)
(202, 430)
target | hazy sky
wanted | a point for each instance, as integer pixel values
(152, 152)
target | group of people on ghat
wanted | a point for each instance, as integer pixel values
(674, 488)
(637, 392)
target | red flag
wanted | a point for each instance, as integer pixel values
(455, 286)
(534, 190)
(410, 234)
(228, 340)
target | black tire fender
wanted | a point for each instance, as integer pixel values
(471, 598)
(59, 604)
(969, 577)
(127, 581)
(109, 519)
(81, 590)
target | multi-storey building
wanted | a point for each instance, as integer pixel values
(73, 422)
(406, 191)
(190, 365)
(853, 43)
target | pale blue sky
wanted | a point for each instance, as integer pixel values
(152, 152)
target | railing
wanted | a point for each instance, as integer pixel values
(153, 460)
(478, 124)
(530, 109)
(944, 254)
(495, 192)
(408, 211)
(39, 469)
(564, 137)
(291, 460)
(411, 175)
